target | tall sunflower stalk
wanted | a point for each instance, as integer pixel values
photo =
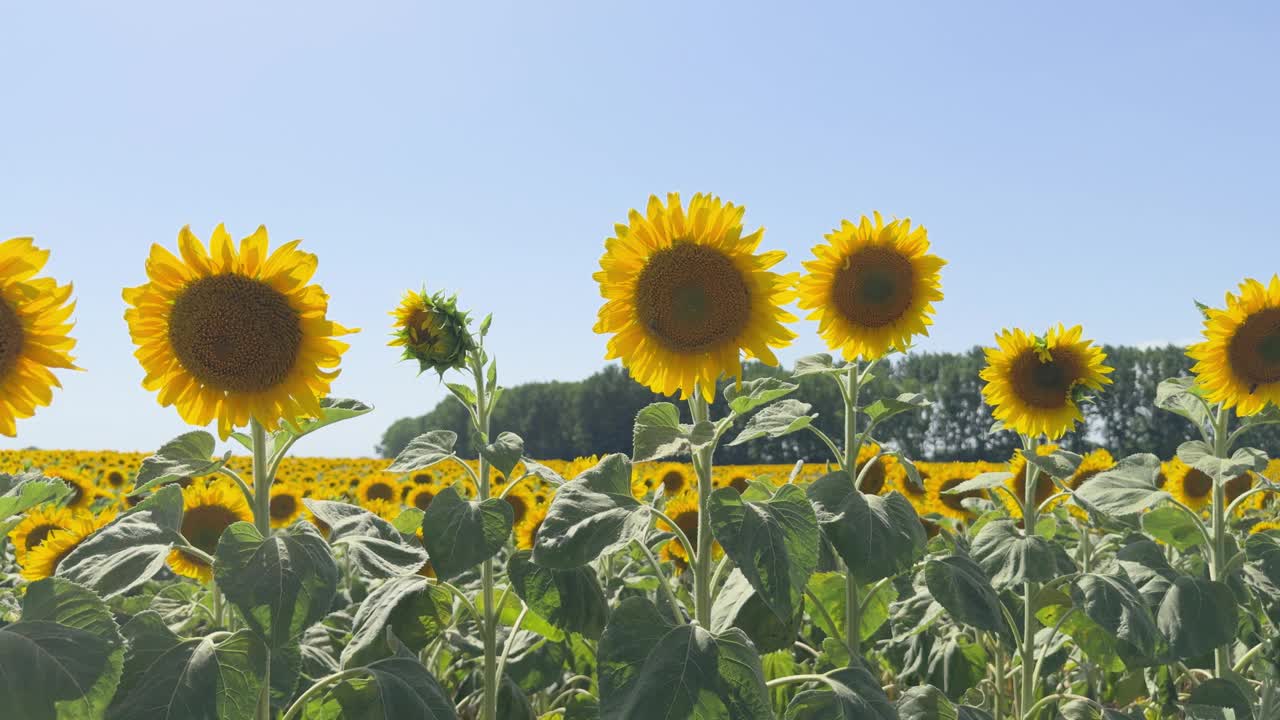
(1035, 385)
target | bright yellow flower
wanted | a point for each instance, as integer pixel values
(36, 526)
(35, 321)
(286, 503)
(1189, 486)
(228, 336)
(1033, 383)
(527, 531)
(42, 560)
(872, 287)
(686, 295)
(209, 508)
(1238, 363)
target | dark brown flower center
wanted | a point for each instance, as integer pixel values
(115, 478)
(739, 483)
(12, 338)
(203, 525)
(1046, 385)
(283, 506)
(422, 499)
(688, 522)
(518, 506)
(380, 491)
(1197, 484)
(1237, 486)
(235, 334)
(1254, 351)
(873, 480)
(38, 534)
(873, 288)
(1044, 486)
(692, 298)
(673, 482)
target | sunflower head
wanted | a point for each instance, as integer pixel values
(433, 331)
(1035, 384)
(228, 335)
(42, 560)
(286, 503)
(208, 508)
(686, 295)
(35, 319)
(1238, 362)
(36, 526)
(527, 531)
(872, 286)
(1189, 486)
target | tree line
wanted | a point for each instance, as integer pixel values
(594, 416)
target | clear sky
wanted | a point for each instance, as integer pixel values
(1093, 162)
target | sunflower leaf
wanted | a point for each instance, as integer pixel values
(424, 451)
(751, 394)
(460, 534)
(737, 604)
(543, 472)
(876, 536)
(1196, 616)
(377, 546)
(1241, 461)
(20, 493)
(1180, 396)
(959, 585)
(130, 549)
(590, 515)
(982, 481)
(569, 599)
(415, 611)
(885, 408)
(189, 455)
(391, 688)
(658, 433)
(815, 365)
(1059, 464)
(504, 452)
(332, 410)
(1010, 557)
(781, 418)
(850, 693)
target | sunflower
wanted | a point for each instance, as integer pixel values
(1189, 486)
(230, 335)
(208, 508)
(36, 526)
(1271, 526)
(83, 492)
(385, 509)
(1238, 363)
(42, 560)
(872, 286)
(674, 478)
(643, 480)
(115, 478)
(1093, 463)
(35, 317)
(1017, 485)
(420, 496)
(686, 295)
(873, 483)
(433, 331)
(918, 495)
(286, 503)
(521, 502)
(1034, 384)
(376, 487)
(527, 531)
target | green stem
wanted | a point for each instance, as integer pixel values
(662, 580)
(1221, 654)
(296, 708)
(217, 604)
(489, 701)
(1029, 520)
(701, 411)
(998, 693)
(262, 521)
(680, 535)
(853, 605)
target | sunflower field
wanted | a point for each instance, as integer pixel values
(221, 577)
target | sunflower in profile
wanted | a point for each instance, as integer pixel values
(1189, 486)
(286, 504)
(208, 508)
(1267, 526)
(872, 286)
(1093, 463)
(644, 480)
(873, 482)
(83, 491)
(1035, 385)
(37, 525)
(521, 502)
(687, 295)
(35, 319)
(918, 495)
(231, 335)
(527, 531)
(433, 331)
(1238, 363)
(42, 560)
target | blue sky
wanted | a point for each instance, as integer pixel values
(1091, 162)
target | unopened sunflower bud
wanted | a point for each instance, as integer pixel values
(433, 331)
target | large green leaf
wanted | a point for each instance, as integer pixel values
(748, 395)
(198, 678)
(885, 408)
(20, 493)
(876, 536)
(658, 433)
(504, 452)
(1115, 605)
(649, 668)
(63, 659)
(1010, 558)
(926, 702)
(129, 550)
(737, 604)
(1145, 564)
(960, 586)
(187, 456)
(1172, 526)
(282, 584)
(1196, 616)
(590, 515)
(396, 688)
(850, 693)
(874, 600)
(1221, 695)
(415, 610)
(1127, 489)
(460, 534)
(774, 543)
(781, 418)
(378, 549)
(569, 599)
(1180, 396)
(1055, 609)
(424, 451)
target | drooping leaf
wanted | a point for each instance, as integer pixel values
(874, 600)
(282, 584)
(424, 451)
(658, 433)
(1114, 604)
(1179, 396)
(773, 543)
(460, 534)
(590, 515)
(1011, 558)
(1172, 526)
(739, 605)
(63, 659)
(959, 585)
(1221, 694)
(1196, 616)
(504, 452)
(876, 536)
(885, 408)
(751, 394)
(781, 418)
(850, 693)
(569, 599)
(391, 689)
(203, 678)
(129, 550)
(649, 668)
